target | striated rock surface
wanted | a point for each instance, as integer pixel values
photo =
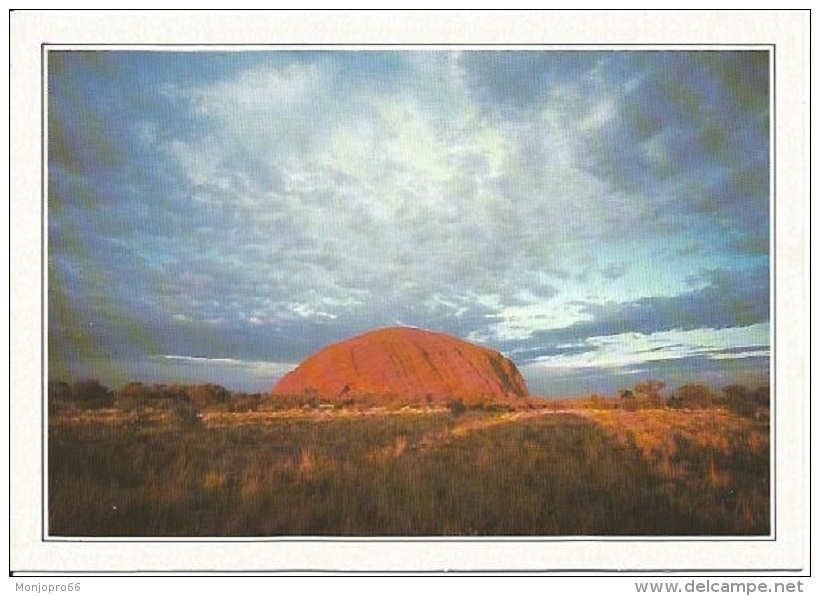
(403, 361)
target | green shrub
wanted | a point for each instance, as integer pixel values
(744, 401)
(457, 407)
(60, 396)
(694, 396)
(209, 396)
(91, 394)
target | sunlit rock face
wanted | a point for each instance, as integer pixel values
(408, 362)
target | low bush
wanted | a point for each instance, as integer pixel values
(91, 394)
(456, 407)
(416, 474)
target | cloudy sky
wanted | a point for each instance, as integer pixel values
(600, 217)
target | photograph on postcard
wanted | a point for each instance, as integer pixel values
(408, 292)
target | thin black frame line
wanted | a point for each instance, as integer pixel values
(447, 571)
(43, 302)
(408, 539)
(48, 47)
(251, 46)
(773, 399)
(809, 240)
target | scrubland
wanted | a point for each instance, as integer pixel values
(177, 461)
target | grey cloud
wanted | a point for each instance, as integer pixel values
(741, 350)
(615, 270)
(228, 218)
(521, 80)
(579, 382)
(731, 299)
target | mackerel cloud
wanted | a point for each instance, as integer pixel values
(258, 205)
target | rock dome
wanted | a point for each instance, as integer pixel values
(407, 362)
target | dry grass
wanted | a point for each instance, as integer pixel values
(573, 469)
(713, 458)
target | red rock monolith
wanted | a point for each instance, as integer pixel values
(405, 362)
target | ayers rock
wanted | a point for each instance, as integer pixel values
(406, 362)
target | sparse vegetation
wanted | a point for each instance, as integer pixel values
(694, 396)
(457, 407)
(200, 461)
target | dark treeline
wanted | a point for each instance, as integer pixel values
(185, 400)
(190, 399)
(693, 396)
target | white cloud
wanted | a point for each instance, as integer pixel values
(520, 321)
(254, 93)
(599, 116)
(629, 349)
(308, 312)
(499, 195)
(741, 354)
(408, 190)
